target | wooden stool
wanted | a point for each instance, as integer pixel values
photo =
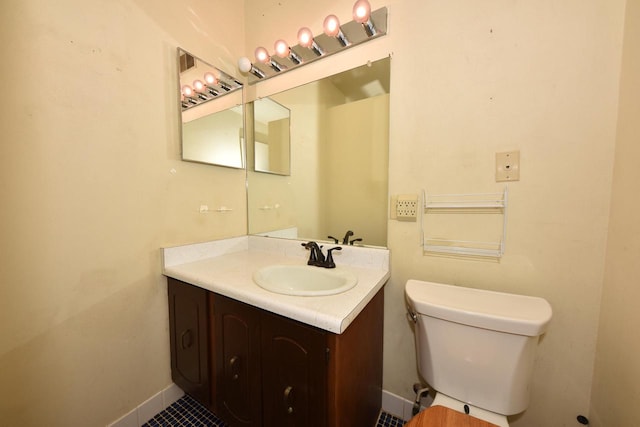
(439, 416)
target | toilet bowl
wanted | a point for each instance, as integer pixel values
(476, 348)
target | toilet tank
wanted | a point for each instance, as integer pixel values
(477, 346)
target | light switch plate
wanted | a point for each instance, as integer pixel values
(508, 166)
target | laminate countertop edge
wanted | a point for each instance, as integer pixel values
(231, 275)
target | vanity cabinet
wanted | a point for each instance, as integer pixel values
(269, 370)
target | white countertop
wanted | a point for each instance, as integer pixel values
(226, 267)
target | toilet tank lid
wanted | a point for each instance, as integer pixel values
(498, 311)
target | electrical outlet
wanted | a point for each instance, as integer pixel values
(407, 206)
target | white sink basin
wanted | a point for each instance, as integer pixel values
(304, 280)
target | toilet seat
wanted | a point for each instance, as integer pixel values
(463, 408)
(440, 416)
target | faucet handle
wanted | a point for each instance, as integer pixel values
(334, 239)
(329, 262)
(316, 257)
(313, 255)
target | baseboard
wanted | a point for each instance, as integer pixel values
(401, 407)
(150, 407)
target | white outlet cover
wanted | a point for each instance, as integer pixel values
(508, 166)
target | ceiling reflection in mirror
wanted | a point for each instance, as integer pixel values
(211, 113)
(338, 184)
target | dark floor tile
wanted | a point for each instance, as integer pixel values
(187, 412)
(388, 420)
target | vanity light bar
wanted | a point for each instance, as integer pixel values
(212, 87)
(366, 25)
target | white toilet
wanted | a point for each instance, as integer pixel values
(476, 348)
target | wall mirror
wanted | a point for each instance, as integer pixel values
(211, 114)
(338, 181)
(271, 136)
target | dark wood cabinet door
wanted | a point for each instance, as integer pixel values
(189, 339)
(294, 361)
(238, 382)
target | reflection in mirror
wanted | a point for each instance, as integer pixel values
(211, 113)
(271, 137)
(339, 162)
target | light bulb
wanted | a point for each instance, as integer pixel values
(244, 64)
(305, 37)
(262, 55)
(198, 85)
(282, 48)
(362, 15)
(331, 26)
(210, 78)
(361, 11)
(187, 91)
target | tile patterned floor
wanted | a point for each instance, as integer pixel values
(186, 412)
(388, 420)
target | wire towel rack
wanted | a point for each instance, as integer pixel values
(495, 203)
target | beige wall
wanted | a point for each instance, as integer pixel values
(92, 184)
(92, 187)
(616, 389)
(469, 79)
(497, 76)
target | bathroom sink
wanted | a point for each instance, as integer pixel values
(304, 280)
